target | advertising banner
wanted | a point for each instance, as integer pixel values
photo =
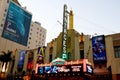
(40, 55)
(17, 24)
(99, 49)
(21, 60)
(30, 61)
(89, 69)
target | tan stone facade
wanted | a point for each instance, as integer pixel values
(115, 61)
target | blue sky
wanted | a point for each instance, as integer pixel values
(90, 16)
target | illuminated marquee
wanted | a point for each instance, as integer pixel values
(76, 68)
(68, 68)
(89, 69)
(60, 69)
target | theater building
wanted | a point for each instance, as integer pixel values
(105, 60)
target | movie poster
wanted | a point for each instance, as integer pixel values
(21, 60)
(30, 61)
(40, 54)
(99, 49)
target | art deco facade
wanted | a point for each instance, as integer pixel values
(74, 45)
(79, 46)
(77, 50)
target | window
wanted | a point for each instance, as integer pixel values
(29, 37)
(117, 51)
(5, 10)
(40, 30)
(81, 54)
(28, 47)
(3, 19)
(1, 25)
(4, 14)
(50, 57)
(7, 1)
(40, 34)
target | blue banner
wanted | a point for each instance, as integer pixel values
(21, 60)
(99, 49)
(17, 24)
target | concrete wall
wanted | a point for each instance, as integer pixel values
(6, 45)
(3, 12)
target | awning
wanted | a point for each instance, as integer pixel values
(58, 61)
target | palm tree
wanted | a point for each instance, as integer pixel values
(5, 58)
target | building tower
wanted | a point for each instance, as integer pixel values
(71, 19)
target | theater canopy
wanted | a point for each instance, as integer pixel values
(58, 61)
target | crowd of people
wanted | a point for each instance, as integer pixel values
(19, 76)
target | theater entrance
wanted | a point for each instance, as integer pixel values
(63, 70)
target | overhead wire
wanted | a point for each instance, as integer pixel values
(98, 26)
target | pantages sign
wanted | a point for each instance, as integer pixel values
(64, 38)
